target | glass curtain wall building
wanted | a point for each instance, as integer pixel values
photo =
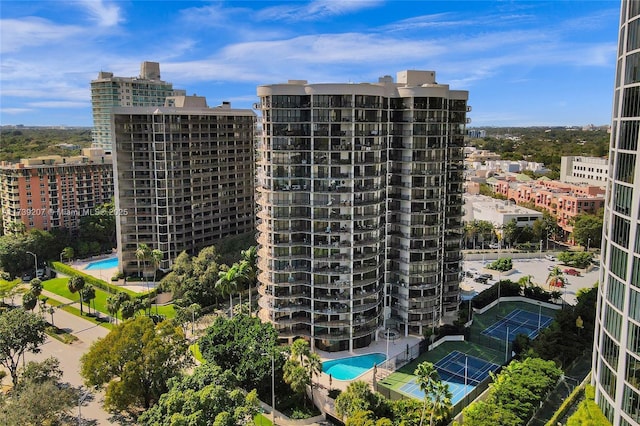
(616, 360)
(359, 193)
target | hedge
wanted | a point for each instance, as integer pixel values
(96, 282)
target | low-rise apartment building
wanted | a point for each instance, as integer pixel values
(50, 192)
(563, 200)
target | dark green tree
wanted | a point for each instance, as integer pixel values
(20, 332)
(243, 345)
(75, 285)
(135, 361)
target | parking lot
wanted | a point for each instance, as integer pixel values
(537, 268)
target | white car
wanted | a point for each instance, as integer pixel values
(494, 246)
(550, 257)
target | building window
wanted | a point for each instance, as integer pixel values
(615, 293)
(607, 380)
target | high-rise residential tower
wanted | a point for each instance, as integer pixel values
(616, 360)
(183, 177)
(108, 92)
(359, 190)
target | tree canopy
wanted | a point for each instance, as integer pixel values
(39, 397)
(135, 360)
(20, 332)
(206, 397)
(243, 345)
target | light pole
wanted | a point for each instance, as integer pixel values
(273, 388)
(81, 399)
(387, 354)
(36, 260)
(588, 243)
(541, 249)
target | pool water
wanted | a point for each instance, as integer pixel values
(351, 367)
(112, 262)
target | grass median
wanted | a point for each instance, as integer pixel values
(59, 287)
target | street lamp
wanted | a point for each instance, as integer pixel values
(36, 260)
(541, 249)
(588, 243)
(81, 399)
(273, 388)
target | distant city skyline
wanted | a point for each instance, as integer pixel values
(523, 63)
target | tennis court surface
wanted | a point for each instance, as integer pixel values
(518, 322)
(461, 372)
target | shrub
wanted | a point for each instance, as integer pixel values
(507, 288)
(504, 264)
(90, 279)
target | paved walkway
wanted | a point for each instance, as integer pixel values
(69, 356)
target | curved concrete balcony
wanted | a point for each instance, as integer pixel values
(365, 307)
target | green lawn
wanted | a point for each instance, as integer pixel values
(262, 420)
(59, 287)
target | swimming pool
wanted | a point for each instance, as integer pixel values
(351, 367)
(112, 262)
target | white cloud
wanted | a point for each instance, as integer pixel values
(106, 15)
(13, 111)
(60, 104)
(315, 10)
(32, 31)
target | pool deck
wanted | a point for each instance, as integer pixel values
(395, 347)
(106, 274)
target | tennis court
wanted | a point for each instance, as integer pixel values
(461, 372)
(517, 322)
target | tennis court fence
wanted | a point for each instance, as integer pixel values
(398, 361)
(479, 388)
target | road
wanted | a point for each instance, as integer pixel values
(69, 357)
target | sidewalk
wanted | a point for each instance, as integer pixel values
(69, 356)
(68, 302)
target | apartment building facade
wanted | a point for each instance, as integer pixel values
(616, 357)
(109, 91)
(586, 170)
(563, 200)
(183, 177)
(54, 192)
(359, 191)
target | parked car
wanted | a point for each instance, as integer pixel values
(41, 274)
(480, 279)
(550, 257)
(26, 277)
(494, 246)
(571, 271)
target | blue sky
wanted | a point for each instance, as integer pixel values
(524, 63)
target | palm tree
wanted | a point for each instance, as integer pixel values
(295, 375)
(314, 367)
(228, 283)
(427, 377)
(555, 276)
(250, 262)
(440, 401)
(143, 253)
(88, 294)
(525, 281)
(113, 306)
(156, 259)
(68, 253)
(76, 284)
(299, 349)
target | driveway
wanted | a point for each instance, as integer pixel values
(69, 357)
